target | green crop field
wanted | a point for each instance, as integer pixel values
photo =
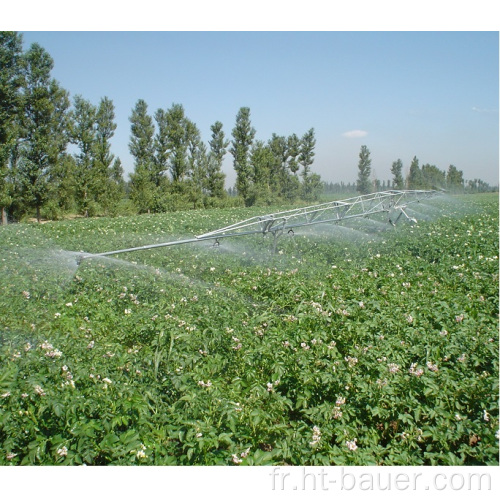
(361, 344)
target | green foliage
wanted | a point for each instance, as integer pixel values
(364, 186)
(377, 348)
(397, 172)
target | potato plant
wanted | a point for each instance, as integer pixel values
(348, 346)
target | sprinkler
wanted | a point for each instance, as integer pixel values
(391, 202)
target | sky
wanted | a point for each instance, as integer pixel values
(429, 94)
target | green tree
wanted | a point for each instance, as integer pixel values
(415, 179)
(454, 179)
(363, 185)
(432, 177)
(10, 106)
(44, 127)
(262, 160)
(218, 148)
(177, 142)
(103, 158)
(293, 153)
(83, 135)
(306, 159)
(161, 153)
(143, 181)
(278, 145)
(306, 152)
(397, 172)
(243, 135)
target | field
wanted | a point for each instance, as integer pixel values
(353, 345)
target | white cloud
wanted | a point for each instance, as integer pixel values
(483, 110)
(354, 134)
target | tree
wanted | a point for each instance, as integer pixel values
(177, 142)
(293, 153)
(83, 135)
(397, 172)
(415, 179)
(218, 147)
(432, 177)
(10, 85)
(306, 152)
(161, 150)
(44, 126)
(105, 130)
(143, 180)
(243, 136)
(364, 185)
(454, 179)
(261, 159)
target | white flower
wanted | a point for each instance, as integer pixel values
(316, 437)
(5, 395)
(236, 459)
(351, 445)
(128, 311)
(486, 416)
(10, 456)
(62, 452)
(39, 390)
(432, 367)
(416, 372)
(393, 367)
(69, 304)
(337, 413)
(269, 387)
(351, 361)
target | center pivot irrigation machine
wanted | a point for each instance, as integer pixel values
(393, 203)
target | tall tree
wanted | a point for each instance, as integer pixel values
(363, 185)
(177, 142)
(415, 180)
(44, 126)
(83, 135)
(293, 153)
(454, 179)
(306, 154)
(218, 147)
(397, 172)
(306, 159)
(243, 135)
(161, 147)
(432, 177)
(10, 84)
(141, 146)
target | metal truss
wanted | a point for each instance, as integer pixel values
(392, 203)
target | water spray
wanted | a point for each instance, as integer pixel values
(393, 203)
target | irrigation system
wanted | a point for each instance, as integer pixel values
(393, 203)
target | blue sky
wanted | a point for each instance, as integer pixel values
(433, 95)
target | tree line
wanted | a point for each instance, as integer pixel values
(426, 177)
(173, 168)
